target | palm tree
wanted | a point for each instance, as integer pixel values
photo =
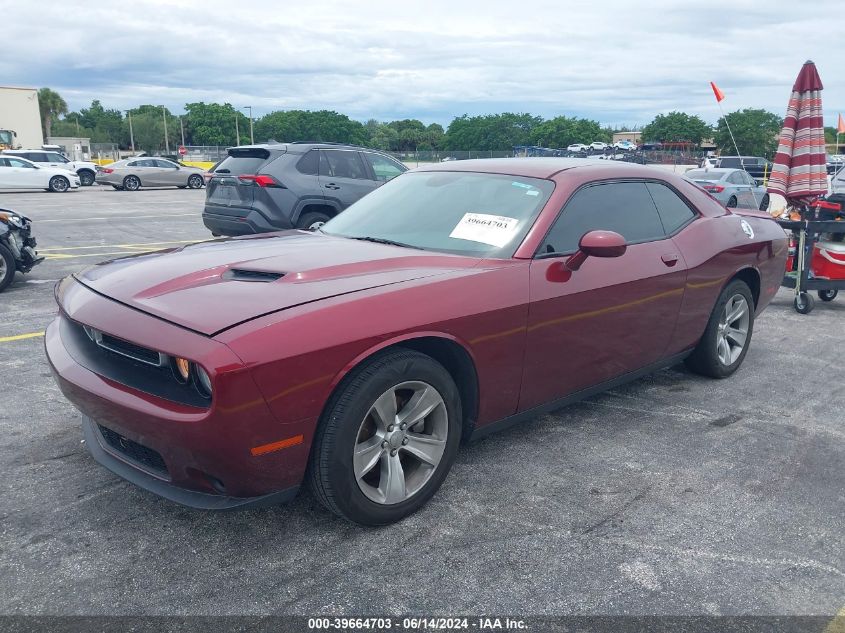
(52, 106)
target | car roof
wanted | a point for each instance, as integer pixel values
(544, 167)
(18, 157)
(303, 146)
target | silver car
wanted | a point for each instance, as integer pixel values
(731, 187)
(133, 173)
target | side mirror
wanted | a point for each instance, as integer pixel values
(597, 244)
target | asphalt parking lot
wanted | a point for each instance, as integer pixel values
(674, 495)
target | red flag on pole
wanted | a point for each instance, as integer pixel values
(719, 94)
(840, 129)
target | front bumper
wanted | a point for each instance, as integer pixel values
(100, 451)
(204, 457)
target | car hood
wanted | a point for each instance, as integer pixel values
(211, 286)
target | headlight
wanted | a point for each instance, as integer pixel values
(203, 380)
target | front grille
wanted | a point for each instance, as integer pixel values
(138, 453)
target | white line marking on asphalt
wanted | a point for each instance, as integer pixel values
(116, 217)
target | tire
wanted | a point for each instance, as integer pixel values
(195, 181)
(7, 267)
(828, 295)
(131, 183)
(731, 202)
(86, 177)
(722, 349)
(764, 203)
(312, 221)
(365, 491)
(59, 184)
(804, 303)
(117, 187)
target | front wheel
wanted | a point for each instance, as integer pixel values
(59, 184)
(387, 439)
(722, 349)
(7, 267)
(195, 181)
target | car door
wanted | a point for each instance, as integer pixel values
(146, 170)
(26, 175)
(168, 174)
(612, 316)
(383, 168)
(344, 178)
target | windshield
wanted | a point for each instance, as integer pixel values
(484, 215)
(5, 137)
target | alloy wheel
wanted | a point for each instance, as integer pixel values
(4, 270)
(733, 330)
(400, 442)
(59, 184)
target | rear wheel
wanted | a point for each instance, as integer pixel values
(731, 202)
(195, 181)
(7, 267)
(387, 439)
(722, 349)
(828, 295)
(131, 183)
(59, 184)
(312, 221)
(86, 177)
(764, 203)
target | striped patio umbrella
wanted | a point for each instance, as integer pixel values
(799, 172)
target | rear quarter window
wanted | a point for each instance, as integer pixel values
(673, 211)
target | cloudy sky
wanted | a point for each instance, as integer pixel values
(617, 61)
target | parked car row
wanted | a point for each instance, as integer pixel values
(599, 146)
(85, 170)
(17, 172)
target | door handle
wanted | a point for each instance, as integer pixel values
(331, 185)
(670, 259)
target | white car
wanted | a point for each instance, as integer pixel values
(625, 146)
(598, 145)
(17, 172)
(49, 158)
(577, 147)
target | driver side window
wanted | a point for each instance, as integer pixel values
(623, 207)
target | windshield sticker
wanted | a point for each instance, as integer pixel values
(522, 185)
(495, 230)
(533, 192)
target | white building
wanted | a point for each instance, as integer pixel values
(19, 113)
(74, 147)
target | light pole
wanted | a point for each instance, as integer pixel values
(237, 131)
(164, 118)
(251, 137)
(131, 135)
(182, 127)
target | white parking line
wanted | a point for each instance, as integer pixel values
(113, 217)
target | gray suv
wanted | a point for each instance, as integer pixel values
(277, 186)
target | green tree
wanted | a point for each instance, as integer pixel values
(434, 137)
(214, 124)
(52, 106)
(562, 131)
(495, 132)
(148, 129)
(756, 132)
(677, 126)
(305, 125)
(106, 126)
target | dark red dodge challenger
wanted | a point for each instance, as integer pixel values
(453, 301)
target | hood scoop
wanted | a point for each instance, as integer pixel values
(242, 274)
